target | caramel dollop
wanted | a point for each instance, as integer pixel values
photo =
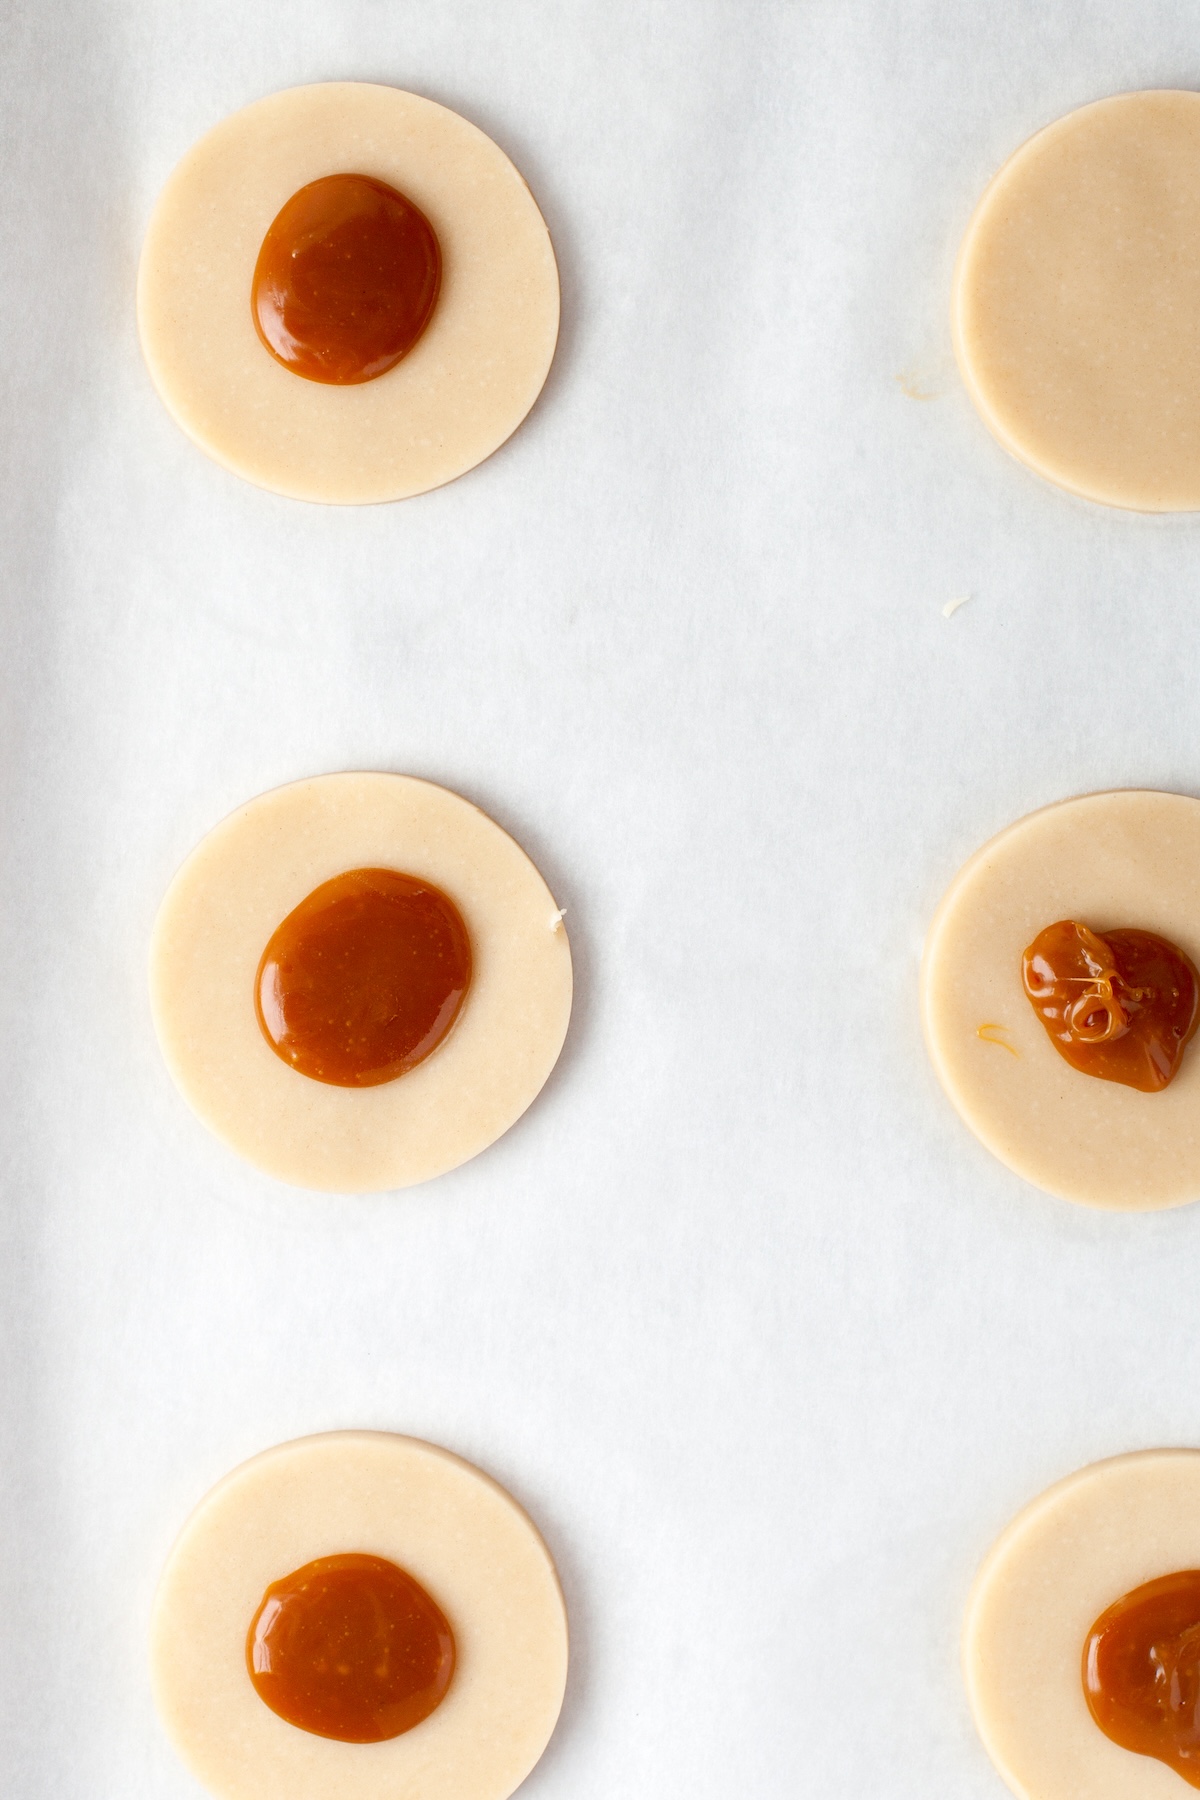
(1141, 1671)
(364, 979)
(350, 1647)
(1122, 1006)
(346, 280)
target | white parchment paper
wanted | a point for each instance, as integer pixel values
(766, 1343)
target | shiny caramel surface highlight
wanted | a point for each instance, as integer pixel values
(350, 1647)
(1141, 1672)
(1122, 1006)
(364, 979)
(346, 280)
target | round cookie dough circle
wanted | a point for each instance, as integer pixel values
(1075, 300)
(462, 1537)
(248, 874)
(1125, 858)
(1083, 1544)
(464, 387)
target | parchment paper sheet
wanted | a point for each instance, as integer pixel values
(767, 1344)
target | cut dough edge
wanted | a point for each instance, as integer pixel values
(1134, 462)
(1067, 1556)
(460, 393)
(248, 873)
(1125, 857)
(461, 1535)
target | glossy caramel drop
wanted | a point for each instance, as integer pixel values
(350, 1647)
(364, 978)
(1141, 1672)
(1122, 1006)
(346, 280)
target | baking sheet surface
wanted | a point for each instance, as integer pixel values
(765, 1342)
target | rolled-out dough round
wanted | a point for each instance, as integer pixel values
(459, 393)
(1132, 858)
(1076, 298)
(462, 1537)
(248, 874)
(1082, 1545)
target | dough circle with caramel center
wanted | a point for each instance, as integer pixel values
(248, 874)
(1076, 298)
(466, 384)
(1079, 1547)
(449, 1526)
(1129, 858)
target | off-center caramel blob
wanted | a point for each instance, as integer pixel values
(1141, 1671)
(363, 980)
(350, 1647)
(346, 280)
(1122, 1006)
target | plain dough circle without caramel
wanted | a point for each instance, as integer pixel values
(248, 874)
(462, 1537)
(1125, 858)
(1076, 298)
(1079, 1547)
(459, 393)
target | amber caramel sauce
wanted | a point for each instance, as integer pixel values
(1141, 1672)
(350, 1647)
(346, 280)
(1121, 1006)
(364, 979)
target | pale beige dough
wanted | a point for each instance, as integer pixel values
(1126, 858)
(1082, 1545)
(462, 1537)
(244, 879)
(458, 394)
(1076, 299)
